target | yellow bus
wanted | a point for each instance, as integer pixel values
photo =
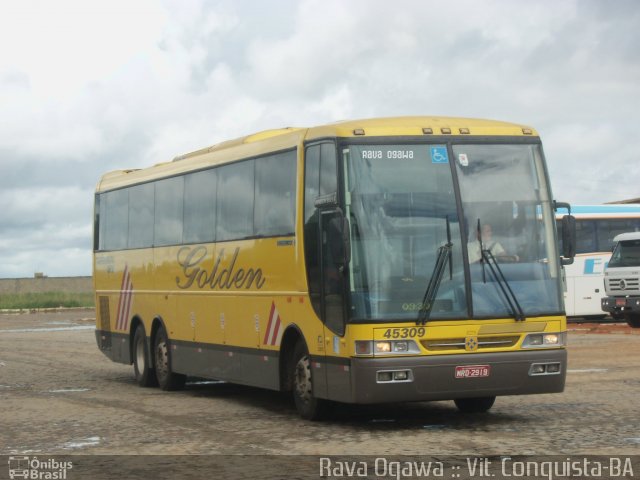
(370, 261)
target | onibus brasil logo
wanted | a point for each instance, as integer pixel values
(32, 468)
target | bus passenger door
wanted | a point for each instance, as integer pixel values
(333, 267)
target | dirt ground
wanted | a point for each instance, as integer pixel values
(59, 395)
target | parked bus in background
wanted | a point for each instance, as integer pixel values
(353, 262)
(596, 226)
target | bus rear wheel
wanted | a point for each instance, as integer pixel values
(633, 320)
(308, 406)
(167, 379)
(144, 374)
(474, 405)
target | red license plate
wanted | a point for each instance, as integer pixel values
(473, 371)
(621, 302)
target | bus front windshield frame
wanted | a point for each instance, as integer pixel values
(406, 200)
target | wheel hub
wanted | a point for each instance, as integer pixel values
(303, 379)
(162, 358)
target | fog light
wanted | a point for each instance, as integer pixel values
(385, 376)
(553, 368)
(537, 369)
(401, 375)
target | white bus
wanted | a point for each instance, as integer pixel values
(596, 226)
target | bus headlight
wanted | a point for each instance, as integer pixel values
(542, 340)
(386, 347)
(383, 347)
(396, 347)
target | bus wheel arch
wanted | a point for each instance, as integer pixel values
(291, 337)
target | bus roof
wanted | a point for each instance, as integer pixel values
(602, 211)
(284, 138)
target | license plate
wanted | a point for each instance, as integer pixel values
(473, 371)
(621, 302)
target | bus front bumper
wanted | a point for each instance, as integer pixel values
(447, 377)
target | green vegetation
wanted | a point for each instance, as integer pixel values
(46, 300)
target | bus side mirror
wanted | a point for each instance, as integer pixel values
(568, 239)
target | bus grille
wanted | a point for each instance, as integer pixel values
(621, 284)
(459, 343)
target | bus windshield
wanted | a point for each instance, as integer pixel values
(401, 202)
(508, 212)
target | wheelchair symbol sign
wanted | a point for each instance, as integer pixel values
(439, 155)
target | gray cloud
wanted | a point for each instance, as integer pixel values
(175, 78)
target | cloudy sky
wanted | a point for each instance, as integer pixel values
(89, 86)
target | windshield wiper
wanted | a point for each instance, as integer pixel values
(511, 298)
(487, 257)
(444, 256)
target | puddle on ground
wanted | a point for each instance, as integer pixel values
(49, 329)
(588, 370)
(435, 427)
(82, 443)
(206, 382)
(69, 390)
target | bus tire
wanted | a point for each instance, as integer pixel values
(308, 406)
(474, 405)
(167, 379)
(145, 376)
(633, 320)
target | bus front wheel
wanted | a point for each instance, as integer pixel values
(474, 405)
(167, 379)
(308, 406)
(145, 375)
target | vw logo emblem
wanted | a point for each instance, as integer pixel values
(471, 344)
(623, 284)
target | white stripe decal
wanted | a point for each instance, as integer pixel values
(124, 302)
(273, 335)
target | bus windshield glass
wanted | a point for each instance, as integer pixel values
(508, 212)
(401, 202)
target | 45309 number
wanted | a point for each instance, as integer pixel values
(404, 332)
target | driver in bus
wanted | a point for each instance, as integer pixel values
(488, 243)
